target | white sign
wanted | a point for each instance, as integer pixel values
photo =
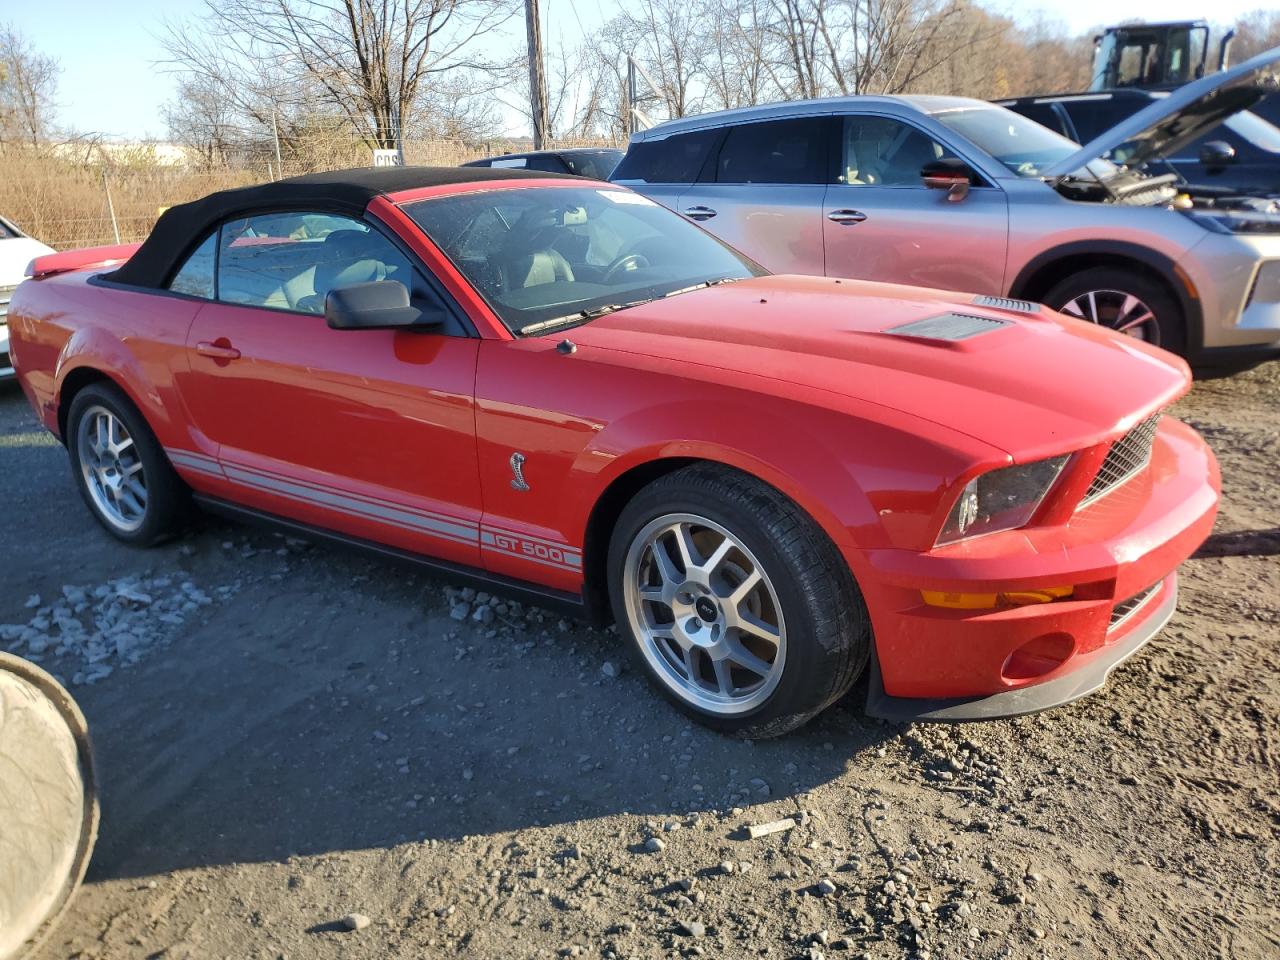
(387, 158)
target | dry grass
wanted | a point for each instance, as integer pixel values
(64, 202)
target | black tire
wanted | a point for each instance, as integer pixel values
(1169, 327)
(828, 631)
(168, 498)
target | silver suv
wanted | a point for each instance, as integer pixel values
(959, 194)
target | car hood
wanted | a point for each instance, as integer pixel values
(1189, 112)
(1030, 384)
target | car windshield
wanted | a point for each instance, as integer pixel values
(546, 256)
(1020, 144)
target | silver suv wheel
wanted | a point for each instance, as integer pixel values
(1122, 312)
(705, 614)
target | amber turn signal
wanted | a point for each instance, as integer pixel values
(989, 601)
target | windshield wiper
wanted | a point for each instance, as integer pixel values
(700, 286)
(582, 316)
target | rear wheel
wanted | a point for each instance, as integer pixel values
(121, 469)
(1127, 302)
(736, 604)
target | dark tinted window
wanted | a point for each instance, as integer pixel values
(547, 162)
(195, 278)
(675, 159)
(776, 151)
(597, 165)
(290, 261)
(1092, 117)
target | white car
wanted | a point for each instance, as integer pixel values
(16, 251)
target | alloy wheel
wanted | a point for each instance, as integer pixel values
(1122, 312)
(112, 468)
(705, 614)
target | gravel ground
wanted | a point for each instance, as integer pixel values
(307, 753)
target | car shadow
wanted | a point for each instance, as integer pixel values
(1241, 543)
(333, 704)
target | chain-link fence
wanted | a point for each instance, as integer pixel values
(116, 196)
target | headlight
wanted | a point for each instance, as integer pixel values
(1003, 499)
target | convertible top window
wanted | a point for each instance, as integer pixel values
(539, 255)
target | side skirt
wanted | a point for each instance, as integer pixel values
(568, 604)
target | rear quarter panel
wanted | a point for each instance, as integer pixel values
(63, 324)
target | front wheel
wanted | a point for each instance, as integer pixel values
(736, 604)
(1127, 302)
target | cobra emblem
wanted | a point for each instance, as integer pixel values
(518, 481)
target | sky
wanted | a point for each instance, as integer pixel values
(114, 80)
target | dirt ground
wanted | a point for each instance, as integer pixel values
(294, 734)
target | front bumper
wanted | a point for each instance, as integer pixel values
(1088, 675)
(955, 664)
(1235, 284)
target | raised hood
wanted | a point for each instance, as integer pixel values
(1188, 113)
(1030, 384)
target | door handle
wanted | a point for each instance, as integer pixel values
(220, 349)
(846, 217)
(699, 213)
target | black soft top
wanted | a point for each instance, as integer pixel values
(182, 227)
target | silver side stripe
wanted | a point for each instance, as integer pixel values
(529, 548)
(572, 555)
(194, 461)
(360, 498)
(458, 531)
(453, 529)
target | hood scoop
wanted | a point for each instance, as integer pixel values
(1006, 303)
(948, 326)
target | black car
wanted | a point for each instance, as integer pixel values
(594, 162)
(1242, 154)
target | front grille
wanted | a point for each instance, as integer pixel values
(1124, 611)
(1125, 460)
(1006, 303)
(6, 294)
(948, 326)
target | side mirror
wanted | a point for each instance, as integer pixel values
(1216, 153)
(378, 305)
(951, 175)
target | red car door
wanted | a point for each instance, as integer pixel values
(368, 432)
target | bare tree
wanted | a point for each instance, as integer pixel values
(371, 62)
(28, 84)
(1255, 32)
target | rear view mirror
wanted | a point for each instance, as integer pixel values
(1216, 153)
(378, 305)
(951, 175)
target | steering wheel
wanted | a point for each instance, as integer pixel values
(628, 261)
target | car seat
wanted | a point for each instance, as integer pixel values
(529, 257)
(346, 257)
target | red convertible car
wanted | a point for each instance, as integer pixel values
(558, 387)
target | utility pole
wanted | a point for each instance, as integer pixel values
(537, 80)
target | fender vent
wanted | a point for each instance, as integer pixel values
(948, 326)
(1006, 303)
